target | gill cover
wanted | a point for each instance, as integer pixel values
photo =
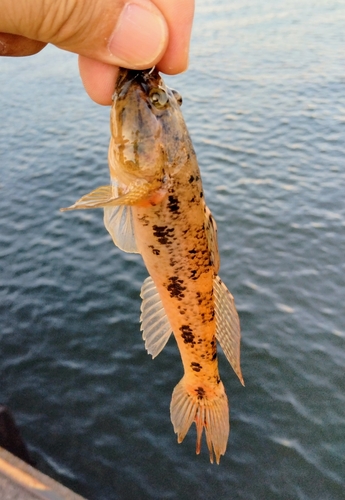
(146, 127)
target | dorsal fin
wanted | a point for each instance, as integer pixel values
(228, 331)
(212, 239)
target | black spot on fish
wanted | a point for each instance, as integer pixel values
(163, 233)
(176, 287)
(192, 200)
(213, 350)
(187, 334)
(191, 179)
(200, 392)
(218, 380)
(173, 204)
(186, 328)
(196, 367)
(155, 251)
(193, 274)
(201, 194)
(144, 220)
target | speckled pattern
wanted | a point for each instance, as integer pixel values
(175, 250)
(171, 228)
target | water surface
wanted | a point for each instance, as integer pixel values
(264, 102)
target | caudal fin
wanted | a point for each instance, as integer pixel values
(211, 414)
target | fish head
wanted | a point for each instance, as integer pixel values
(147, 127)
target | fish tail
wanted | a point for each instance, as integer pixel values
(211, 413)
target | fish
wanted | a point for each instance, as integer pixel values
(155, 206)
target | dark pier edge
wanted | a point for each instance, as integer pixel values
(20, 481)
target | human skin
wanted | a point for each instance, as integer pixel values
(106, 34)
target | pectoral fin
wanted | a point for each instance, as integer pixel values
(228, 331)
(100, 197)
(119, 223)
(105, 196)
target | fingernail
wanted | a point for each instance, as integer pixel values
(140, 35)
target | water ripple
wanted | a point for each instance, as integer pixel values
(264, 102)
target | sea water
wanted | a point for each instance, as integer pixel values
(264, 102)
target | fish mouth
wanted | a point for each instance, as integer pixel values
(146, 79)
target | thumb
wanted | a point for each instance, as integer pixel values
(132, 34)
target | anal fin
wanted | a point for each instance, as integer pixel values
(228, 332)
(154, 322)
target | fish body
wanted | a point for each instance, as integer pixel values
(155, 206)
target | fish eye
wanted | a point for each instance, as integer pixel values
(177, 96)
(159, 98)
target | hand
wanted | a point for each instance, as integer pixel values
(106, 34)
